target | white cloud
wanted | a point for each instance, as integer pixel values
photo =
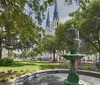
(62, 20)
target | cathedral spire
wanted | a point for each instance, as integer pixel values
(48, 20)
(55, 14)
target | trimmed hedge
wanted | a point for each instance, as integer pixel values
(6, 62)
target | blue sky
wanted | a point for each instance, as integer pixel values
(63, 10)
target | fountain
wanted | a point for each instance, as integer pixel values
(74, 44)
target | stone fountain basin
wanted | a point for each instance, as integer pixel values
(73, 56)
(56, 77)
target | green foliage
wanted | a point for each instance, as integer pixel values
(98, 65)
(93, 8)
(81, 3)
(36, 6)
(3, 79)
(44, 59)
(61, 32)
(90, 28)
(6, 62)
(29, 53)
(87, 22)
(39, 59)
(60, 37)
(19, 29)
(18, 74)
(48, 43)
(12, 76)
(88, 64)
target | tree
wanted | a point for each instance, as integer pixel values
(91, 25)
(61, 33)
(87, 22)
(30, 53)
(19, 25)
(36, 6)
(17, 29)
(48, 45)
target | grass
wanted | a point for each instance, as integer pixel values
(22, 67)
(34, 66)
(30, 65)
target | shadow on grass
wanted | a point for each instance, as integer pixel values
(53, 67)
(19, 64)
(7, 83)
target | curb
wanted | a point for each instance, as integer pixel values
(24, 78)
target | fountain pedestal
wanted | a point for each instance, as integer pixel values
(73, 77)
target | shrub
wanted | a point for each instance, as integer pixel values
(39, 59)
(12, 76)
(21, 70)
(98, 65)
(18, 74)
(2, 72)
(6, 62)
(9, 71)
(88, 64)
(44, 59)
(3, 79)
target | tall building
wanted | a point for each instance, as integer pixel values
(55, 15)
(48, 30)
(50, 26)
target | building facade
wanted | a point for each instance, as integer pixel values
(50, 26)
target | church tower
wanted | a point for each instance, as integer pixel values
(55, 21)
(50, 27)
(48, 23)
(55, 15)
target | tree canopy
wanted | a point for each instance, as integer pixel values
(87, 22)
(19, 29)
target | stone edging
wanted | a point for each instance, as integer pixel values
(23, 78)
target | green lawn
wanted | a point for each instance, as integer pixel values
(22, 67)
(30, 65)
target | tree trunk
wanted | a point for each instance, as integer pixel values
(9, 53)
(54, 51)
(63, 52)
(96, 58)
(99, 57)
(0, 50)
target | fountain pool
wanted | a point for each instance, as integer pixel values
(57, 77)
